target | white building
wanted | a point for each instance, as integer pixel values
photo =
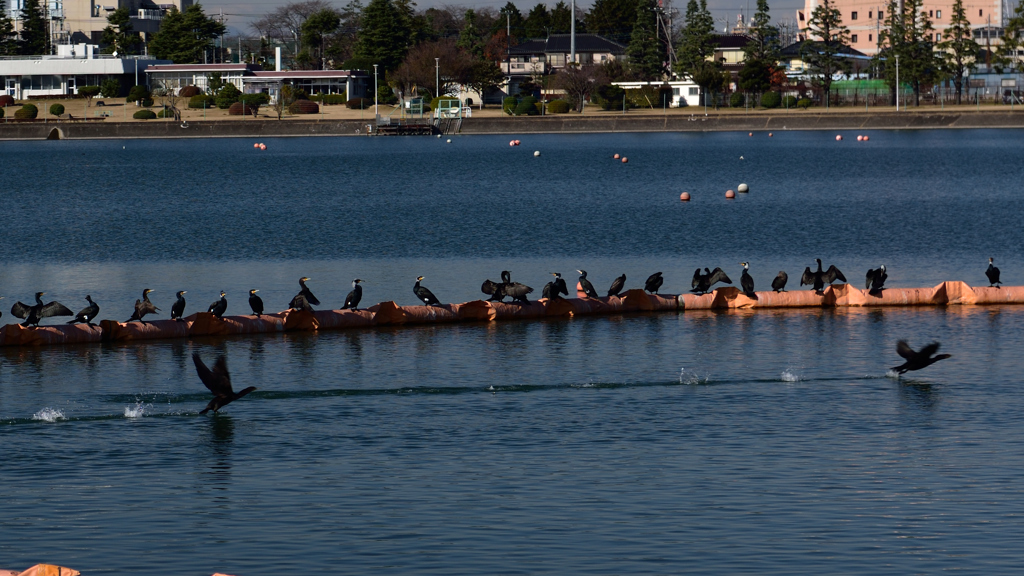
(74, 66)
(684, 92)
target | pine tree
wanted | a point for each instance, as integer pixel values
(646, 56)
(761, 53)
(1012, 42)
(34, 38)
(909, 40)
(561, 19)
(537, 22)
(8, 38)
(959, 50)
(469, 37)
(385, 34)
(612, 19)
(822, 51)
(696, 49)
(184, 37)
(119, 36)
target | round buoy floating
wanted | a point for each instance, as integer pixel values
(865, 138)
(859, 138)
(616, 156)
(750, 134)
(256, 145)
(685, 196)
(510, 142)
(624, 159)
(839, 137)
(730, 194)
(517, 142)
(438, 136)
(742, 188)
(770, 134)
(449, 140)
(263, 146)
(536, 152)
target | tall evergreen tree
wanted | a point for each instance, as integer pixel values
(8, 37)
(184, 37)
(761, 53)
(1007, 54)
(119, 36)
(469, 37)
(34, 37)
(561, 19)
(645, 51)
(612, 19)
(959, 50)
(537, 22)
(909, 35)
(508, 16)
(385, 34)
(696, 49)
(823, 50)
(315, 33)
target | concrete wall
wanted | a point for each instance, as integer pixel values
(168, 129)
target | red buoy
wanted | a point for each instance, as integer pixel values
(624, 159)
(730, 194)
(616, 156)
(685, 196)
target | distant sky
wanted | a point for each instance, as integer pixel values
(239, 14)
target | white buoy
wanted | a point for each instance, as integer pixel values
(742, 189)
(449, 140)
(536, 152)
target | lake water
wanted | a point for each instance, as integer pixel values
(769, 442)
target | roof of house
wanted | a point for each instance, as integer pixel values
(254, 70)
(560, 43)
(794, 50)
(730, 41)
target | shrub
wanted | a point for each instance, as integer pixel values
(201, 101)
(165, 113)
(56, 109)
(27, 112)
(771, 100)
(804, 103)
(300, 94)
(247, 108)
(508, 105)
(258, 99)
(144, 115)
(330, 99)
(227, 96)
(558, 107)
(359, 103)
(736, 100)
(138, 94)
(386, 95)
(6, 100)
(86, 91)
(110, 88)
(303, 107)
(189, 91)
(610, 97)
(527, 107)
(789, 102)
(147, 102)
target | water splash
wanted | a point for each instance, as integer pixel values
(789, 376)
(692, 378)
(49, 415)
(892, 374)
(137, 411)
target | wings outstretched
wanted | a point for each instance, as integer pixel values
(929, 350)
(904, 349)
(718, 275)
(808, 278)
(696, 279)
(832, 274)
(217, 380)
(20, 310)
(489, 287)
(517, 290)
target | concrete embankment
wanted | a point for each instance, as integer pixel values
(674, 121)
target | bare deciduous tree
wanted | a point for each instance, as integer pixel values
(579, 82)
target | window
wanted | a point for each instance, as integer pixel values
(869, 38)
(869, 14)
(979, 13)
(853, 15)
(694, 91)
(853, 38)
(938, 36)
(881, 14)
(938, 13)
(931, 14)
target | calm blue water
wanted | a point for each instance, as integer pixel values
(736, 442)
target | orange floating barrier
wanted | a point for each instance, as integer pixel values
(636, 300)
(18, 335)
(44, 570)
(515, 311)
(390, 314)
(339, 319)
(206, 324)
(114, 331)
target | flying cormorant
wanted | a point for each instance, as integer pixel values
(556, 288)
(747, 281)
(353, 298)
(218, 381)
(178, 308)
(143, 307)
(993, 274)
(617, 285)
(33, 314)
(87, 314)
(587, 287)
(701, 283)
(818, 279)
(219, 306)
(306, 294)
(425, 296)
(779, 284)
(654, 282)
(516, 290)
(256, 303)
(875, 280)
(917, 360)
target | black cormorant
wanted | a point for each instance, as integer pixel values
(353, 298)
(299, 303)
(585, 284)
(425, 296)
(617, 285)
(654, 282)
(517, 291)
(33, 314)
(218, 381)
(701, 283)
(747, 281)
(496, 290)
(818, 279)
(143, 307)
(87, 314)
(256, 303)
(306, 294)
(178, 308)
(779, 284)
(917, 360)
(555, 288)
(219, 306)
(875, 280)
(993, 274)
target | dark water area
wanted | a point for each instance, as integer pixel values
(769, 442)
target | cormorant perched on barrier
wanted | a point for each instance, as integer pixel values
(87, 314)
(306, 294)
(875, 280)
(218, 381)
(818, 279)
(701, 283)
(993, 274)
(747, 281)
(178, 308)
(256, 303)
(555, 288)
(917, 360)
(779, 284)
(654, 282)
(496, 290)
(219, 306)
(587, 287)
(516, 290)
(425, 296)
(353, 298)
(299, 303)
(143, 307)
(33, 314)
(617, 285)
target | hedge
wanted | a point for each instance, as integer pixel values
(238, 108)
(527, 107)
(789, 101)
(303, 107)
(331, 99)
(165, 113)
(56, 109)
(6, 100)
(27, 112)
(359, 103)
(804, 103)
(736, 100)
(144, 115)
(558, 107)
(509, 105)
(771, 100)
(189, 91)
(201, 101)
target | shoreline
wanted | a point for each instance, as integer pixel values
(674, 121)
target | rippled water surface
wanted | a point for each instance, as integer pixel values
(732, 442)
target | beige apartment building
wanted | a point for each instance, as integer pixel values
(83, 21)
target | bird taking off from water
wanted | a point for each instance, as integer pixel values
(993, 274)
(218, 381)
(917, 360)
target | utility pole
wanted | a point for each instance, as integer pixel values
(572, 33)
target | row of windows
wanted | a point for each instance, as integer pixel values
(854, 37)
(931, 14)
